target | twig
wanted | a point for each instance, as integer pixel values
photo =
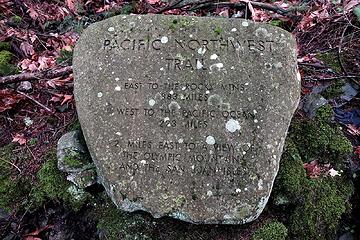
(266, 6)
(312, 65)
(17, 168)
(172, 5)
(35, 101)
(352, 77)
(339, 50)
(49, 74)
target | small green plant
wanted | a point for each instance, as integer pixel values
(271, 231)
(218, 30)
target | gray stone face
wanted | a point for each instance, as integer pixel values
(184, 116)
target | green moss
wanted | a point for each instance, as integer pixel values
(334, 90)
(75, 126)
(65, 57)
(73, 159)
(321, 139)
(5, 46)
(271, 231)
(52, 185)
(13, 188)
(127, 9)
(319, 214)
(291, 174)
(330, 59)
(16, 19)
(218, 30)
(32, 141)
(117, 224)
(6, 68)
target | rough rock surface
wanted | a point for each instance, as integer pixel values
(185, 116)
(74, 159)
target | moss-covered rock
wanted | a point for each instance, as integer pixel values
(291, 174)
(317, 204)
(320, 138)
(52, 185)
(271, 231)
(325, 200)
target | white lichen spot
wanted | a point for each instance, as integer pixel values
(268, 146)
(117, 88)
(117, 79)
(245, 24)
(164, 39)
(218, 66)
(162, 69)
(118, 133)
(256, 121)
(183, 88)
(199, 65)
(209, 193)
(210, 140)
(171, 92)
(260, 184)
(274, 156)
(99, 94)
(166, 119)
(190, 36)
(207, 92)
(233, 30)
(111, 29)
(180, 140)
(245, 189)
(254, 111)
(238, 190)
(201, 51)
(192, 167)
(152, 102)
(243, 152)
(246, 84)
(213, 56)
(278, 65)
(174, 106)
(232, 125)
(232, 68)
(143, 162)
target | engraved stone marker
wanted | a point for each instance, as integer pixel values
(185, 116)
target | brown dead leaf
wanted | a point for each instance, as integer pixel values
(19, 138)
(8, 99)
(27, 49)
(67, 98)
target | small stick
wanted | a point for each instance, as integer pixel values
(17, 168)
(48, 74)
(339, 50)
(35, 101)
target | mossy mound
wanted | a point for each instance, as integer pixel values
(13, 188)
(321, 139)
(271, 231)
(116, 224)
(317, 204)
(52, 185)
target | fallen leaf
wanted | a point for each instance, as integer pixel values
(8, 99)
(66, 99)
(27, 48)
(19, 138)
